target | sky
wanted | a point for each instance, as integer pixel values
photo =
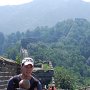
(18, 2)
(13, 2)
(86, 0)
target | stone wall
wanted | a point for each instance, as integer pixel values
(44, 76)
(8, 68)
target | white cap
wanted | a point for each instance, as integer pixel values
(27, 61)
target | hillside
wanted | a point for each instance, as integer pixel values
(41, 13)
(66, 44)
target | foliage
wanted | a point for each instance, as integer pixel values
(2, 39)
(65, 79)
(67, 45)
(13, 51)
(46, 67)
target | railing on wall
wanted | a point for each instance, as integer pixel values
(8, 68)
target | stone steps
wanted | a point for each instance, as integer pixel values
(3, 86)
(7, 74)
(4, 77)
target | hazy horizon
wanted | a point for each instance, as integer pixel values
(41, 13)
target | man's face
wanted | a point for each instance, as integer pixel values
(27, 70)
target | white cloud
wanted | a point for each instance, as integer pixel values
(13, 2)
(86, 0)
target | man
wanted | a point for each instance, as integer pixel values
(25, 80)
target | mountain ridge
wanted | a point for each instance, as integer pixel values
(41, 13)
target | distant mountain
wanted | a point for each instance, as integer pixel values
(41, 13)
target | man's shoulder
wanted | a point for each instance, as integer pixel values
(35, 83)
(15, 78)
(34, 79)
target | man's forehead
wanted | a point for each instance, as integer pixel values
(29, 65)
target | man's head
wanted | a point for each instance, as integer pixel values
(27, 66)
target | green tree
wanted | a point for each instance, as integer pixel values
(65, 79)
